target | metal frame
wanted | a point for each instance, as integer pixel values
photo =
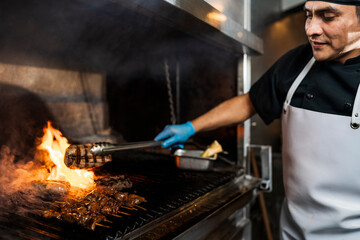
(227, 202)
(244, 130)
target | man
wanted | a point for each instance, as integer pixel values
(314, 89)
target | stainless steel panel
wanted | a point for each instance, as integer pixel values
(230, 215)
(201, 19)
(232, 8)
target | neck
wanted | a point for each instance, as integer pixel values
(346, 56)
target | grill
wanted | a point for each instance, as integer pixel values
(178, 203)
(96, 68)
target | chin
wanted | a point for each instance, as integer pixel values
(323, 54)
(321, 57)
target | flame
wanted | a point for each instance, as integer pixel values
(55, 144)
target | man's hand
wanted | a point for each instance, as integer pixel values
(173, 134)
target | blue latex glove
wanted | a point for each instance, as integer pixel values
(173, 134)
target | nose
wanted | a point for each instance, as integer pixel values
(313, 27)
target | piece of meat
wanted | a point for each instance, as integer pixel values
(116, 183)
(133, 200)
(96, 219)
(82, 210)
(94, 207)
(70, 217)
(52, 187)
(79, 156)
(121, 196)
(106, 210)
(51, 214)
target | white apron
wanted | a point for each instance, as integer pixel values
(321, 162)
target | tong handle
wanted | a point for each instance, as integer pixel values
(104, 149)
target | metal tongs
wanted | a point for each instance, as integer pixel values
(97, 154)
(101, 149)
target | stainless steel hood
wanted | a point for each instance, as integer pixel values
(200, 19)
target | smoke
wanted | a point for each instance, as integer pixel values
(17, 193)
(22, 119)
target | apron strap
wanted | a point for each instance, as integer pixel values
(355, 116)
(297, 82)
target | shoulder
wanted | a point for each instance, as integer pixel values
(284, 71)
(288, 67)
(269, 92)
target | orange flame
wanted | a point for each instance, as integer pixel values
(55, 144)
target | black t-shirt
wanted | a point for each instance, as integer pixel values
(329, 87)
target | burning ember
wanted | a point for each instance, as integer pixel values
(55, 144)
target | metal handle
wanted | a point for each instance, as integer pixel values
(265, 152)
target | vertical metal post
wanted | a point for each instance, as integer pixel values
(243, 130)
(247, 78)
(243, 86)
(241, 160)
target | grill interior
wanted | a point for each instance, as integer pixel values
(154, 177)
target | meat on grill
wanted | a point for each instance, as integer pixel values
(78, 155)
(52, 187)
(82, 217)
(93, 208)
(114, 182)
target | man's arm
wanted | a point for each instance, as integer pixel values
(232, 111)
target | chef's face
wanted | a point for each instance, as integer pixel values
(333, 30)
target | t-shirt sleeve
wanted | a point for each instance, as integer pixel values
(269, 92)
(264, 97)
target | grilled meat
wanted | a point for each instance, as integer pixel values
(78, 155)
(51, 187)
(51, 214)
(117, 183)
(133, 200)
(86, 220)
(93, 208)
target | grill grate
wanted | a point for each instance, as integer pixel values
(154, 177)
